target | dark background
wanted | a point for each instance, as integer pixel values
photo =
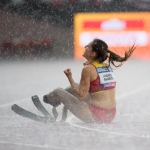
(40, 29)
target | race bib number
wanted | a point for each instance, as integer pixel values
(106, 75)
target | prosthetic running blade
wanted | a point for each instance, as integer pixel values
(22, 112)
(40, 107)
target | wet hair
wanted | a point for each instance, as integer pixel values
(102, 51)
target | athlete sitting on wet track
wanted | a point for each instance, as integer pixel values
(93, 99)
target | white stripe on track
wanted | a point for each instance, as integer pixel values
(18, 101)
(115, 133)
(40, 146)
(118, 97)
(133, 92)
(22, 144)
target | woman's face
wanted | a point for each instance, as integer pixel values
(88, 53)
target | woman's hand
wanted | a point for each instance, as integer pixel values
(68, 72)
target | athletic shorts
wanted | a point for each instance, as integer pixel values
(102, 115)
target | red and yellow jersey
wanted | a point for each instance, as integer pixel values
(105, 79)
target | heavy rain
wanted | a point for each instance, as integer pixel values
(39, 39)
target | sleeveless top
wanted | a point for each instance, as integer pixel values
(105, 79)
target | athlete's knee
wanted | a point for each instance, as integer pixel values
(57, 91)
(52, 99)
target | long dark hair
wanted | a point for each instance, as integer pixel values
(101, 49)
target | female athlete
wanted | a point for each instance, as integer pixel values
(93, 99)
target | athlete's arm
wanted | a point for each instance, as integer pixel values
(84, 83)
(83, 88)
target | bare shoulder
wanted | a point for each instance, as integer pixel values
(88, 68)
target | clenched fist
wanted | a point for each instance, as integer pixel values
(68, 72)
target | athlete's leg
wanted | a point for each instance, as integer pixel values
(71, 91)
(54, 100)
(74, 105)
